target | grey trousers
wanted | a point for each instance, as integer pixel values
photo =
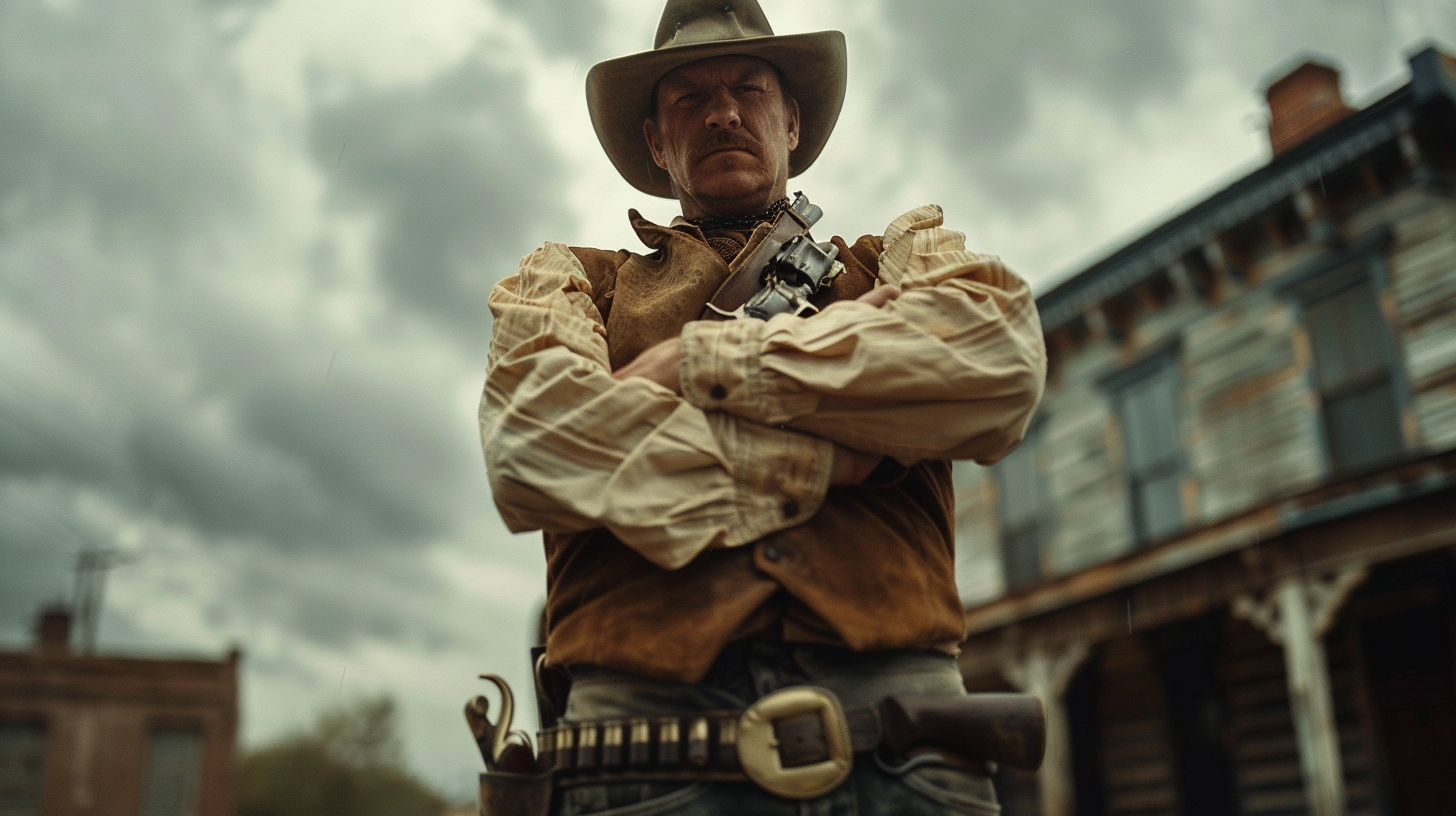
(878, 785)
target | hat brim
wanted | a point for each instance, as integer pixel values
(619, 96)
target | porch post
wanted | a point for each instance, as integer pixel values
(1310, 702)
(1297, 615)
(1046, 673)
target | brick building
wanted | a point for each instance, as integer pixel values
(1224, 554)
(91, 735)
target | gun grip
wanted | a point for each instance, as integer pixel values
(1009, 729)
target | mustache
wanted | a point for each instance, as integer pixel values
(726, 140)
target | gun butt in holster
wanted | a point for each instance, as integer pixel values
(1007, 729)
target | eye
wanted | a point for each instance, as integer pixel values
(688, 99)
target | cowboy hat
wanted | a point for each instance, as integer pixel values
(619, 92)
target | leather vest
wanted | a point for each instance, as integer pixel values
(873, 569)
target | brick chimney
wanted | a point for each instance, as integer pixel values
(1302, 103)
(53, 629)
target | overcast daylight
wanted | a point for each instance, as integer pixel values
(246, 245)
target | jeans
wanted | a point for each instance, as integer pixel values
(878, 786)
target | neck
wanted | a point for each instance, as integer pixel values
(694, 207)
(744, 222)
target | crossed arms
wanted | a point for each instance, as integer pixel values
(951, 369)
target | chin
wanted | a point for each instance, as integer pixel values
(734, 187)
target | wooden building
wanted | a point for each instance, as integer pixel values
(89, 735)
(1224, 554)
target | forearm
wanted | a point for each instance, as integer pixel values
(570, 448)
(951, 369)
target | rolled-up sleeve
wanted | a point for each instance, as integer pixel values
(952, 369)
(569, 448)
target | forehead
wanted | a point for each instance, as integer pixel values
(728, 70)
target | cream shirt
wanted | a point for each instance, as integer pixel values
(952, 369)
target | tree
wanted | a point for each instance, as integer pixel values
(351, 763)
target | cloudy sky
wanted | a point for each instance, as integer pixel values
(245, 247)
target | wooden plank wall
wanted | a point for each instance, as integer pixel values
(1137, 758)
(1254, 425)
(1422, 265)
(1261, 730)
(1251, 424)
(1357, 732)
(1083, 459)
(978, 552)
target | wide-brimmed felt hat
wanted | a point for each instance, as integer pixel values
(619, 92)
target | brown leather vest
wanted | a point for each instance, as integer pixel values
(873, 569)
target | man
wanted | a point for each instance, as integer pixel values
(736, 507)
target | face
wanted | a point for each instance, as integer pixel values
(724, 132)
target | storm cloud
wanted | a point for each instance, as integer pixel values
(450, 168)
(570, 27)
(249, 362)
(980, 78)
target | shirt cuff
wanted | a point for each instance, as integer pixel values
(781, 476)
(720, 370)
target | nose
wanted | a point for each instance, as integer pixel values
(723, 111)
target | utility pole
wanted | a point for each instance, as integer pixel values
(90, 590)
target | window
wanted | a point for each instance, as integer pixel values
(1022, 514)
(174, 771)
(1147, 406)
(1352, 371)
(22, 769)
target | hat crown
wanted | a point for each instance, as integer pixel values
(619, 92)
(689, 22)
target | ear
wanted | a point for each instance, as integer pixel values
(793, 111)
(649, 132)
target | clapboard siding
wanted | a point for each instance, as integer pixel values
(1265, 755)
(978, 554)
(1270, 446)
(1421, 271)
(1357, 731)
(1422, 261)
(1226, 310)
(1136, 753)
(1253, 423)
(1430, 349)
(1436, 417)
(1085, 486)
(1422, 265)
(1250, 420)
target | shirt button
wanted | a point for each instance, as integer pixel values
(771, 554)
(718, 392)
(791, 508)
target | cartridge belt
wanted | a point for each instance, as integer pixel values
(658, 748)
(798, 743)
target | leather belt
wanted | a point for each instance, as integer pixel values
(798, 743)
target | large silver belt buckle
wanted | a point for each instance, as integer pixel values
(758, 744)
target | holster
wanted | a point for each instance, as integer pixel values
(515, 794)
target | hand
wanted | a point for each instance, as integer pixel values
(658, 364)
(851, 467)
(880, 295)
